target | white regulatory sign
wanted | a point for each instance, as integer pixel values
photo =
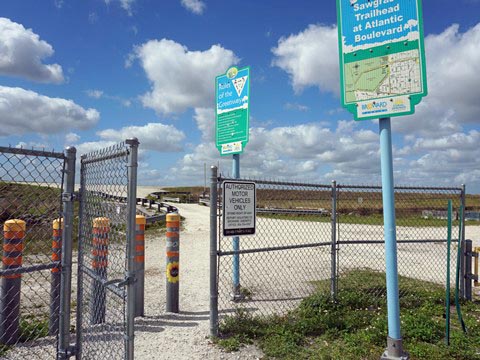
(239, 201)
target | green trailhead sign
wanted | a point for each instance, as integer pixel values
(232, 92)
(382, 57)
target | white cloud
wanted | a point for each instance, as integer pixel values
(310, 58)
(152, 136)
(300, 153)
(71, 138)
(100, 94)
(21, 54)
(125, 4)
(205, 118)
(96, 94)
(296, 106)
(23, 111)
(195, 6)
(181, 78)
(453, 78)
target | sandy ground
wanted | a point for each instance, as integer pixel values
(161, 335)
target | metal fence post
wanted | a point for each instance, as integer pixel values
(13, 237)
(468, 269)
(131, 275)
(462, 244)
(333, 276)
(55, 276)
(64, 350)
(140, 261)
(213, 253)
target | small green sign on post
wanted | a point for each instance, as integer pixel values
(232, 93)
(382, 57)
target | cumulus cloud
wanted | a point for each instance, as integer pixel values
(22, 52)
(195, 6)
(205, 118)
(310, 58)
(152, 136)
(23, 111)
(302, 153)
(180, 78)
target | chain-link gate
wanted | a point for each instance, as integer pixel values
(105, 262)
(31, 186)
(37, 211)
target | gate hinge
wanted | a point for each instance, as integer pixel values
(68, 197)
(68, 352)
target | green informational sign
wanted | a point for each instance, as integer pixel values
(382, 57)
(232, 92)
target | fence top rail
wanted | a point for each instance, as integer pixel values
(115, 151)
(271, 182)
(32, 152)
(379, 187)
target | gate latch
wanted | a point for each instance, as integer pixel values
(121, 282)
(67, 197)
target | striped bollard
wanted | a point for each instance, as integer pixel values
(101, 230)
(140, 265)
(13, 235)
(173, 256)
(55, 276)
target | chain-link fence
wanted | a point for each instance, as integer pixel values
(103, 248)
(289, 255)
(31, 185)
(312, 237)
(421, 219)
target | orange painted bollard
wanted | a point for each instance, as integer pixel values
(55, 276)
(173, 257)
(101, 231)
(140, 221)
(13, 236)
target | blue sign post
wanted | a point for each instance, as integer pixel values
(232, 94)
(382, 74)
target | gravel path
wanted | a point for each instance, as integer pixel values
(161, 335)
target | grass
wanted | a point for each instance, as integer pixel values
(355, 326)
(376, 219)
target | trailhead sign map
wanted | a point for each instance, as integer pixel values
(381, 57)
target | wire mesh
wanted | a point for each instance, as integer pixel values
(289, 256)
(31, 184)
(421, 219)
(102, 253)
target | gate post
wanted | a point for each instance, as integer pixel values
(213, 253)
(461, 243)
(13, 236)
(55, 276)
(333, 271)
(132, 166)
(64, 349)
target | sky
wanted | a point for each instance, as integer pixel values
(91, 73)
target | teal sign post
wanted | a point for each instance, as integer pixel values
(382, 74)
(232, 91)
(382, 58)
